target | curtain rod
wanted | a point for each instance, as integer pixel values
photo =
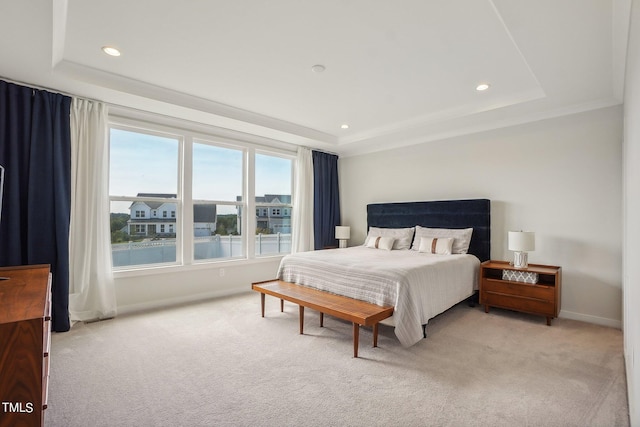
(326, 152)
(124, 107)
(48, 89)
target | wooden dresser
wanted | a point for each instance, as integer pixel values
(25, 338)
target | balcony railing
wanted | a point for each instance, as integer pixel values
(208, 247)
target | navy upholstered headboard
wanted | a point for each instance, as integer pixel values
(474, 213)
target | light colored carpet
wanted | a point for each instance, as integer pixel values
(218, 363)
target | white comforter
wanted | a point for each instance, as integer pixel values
(418, 285)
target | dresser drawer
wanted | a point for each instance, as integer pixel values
(546, 293)
(46, 337)
(45, 381)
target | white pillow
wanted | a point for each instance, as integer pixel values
(436, 245)
(402, 236)
(461, 237)
(381, 242)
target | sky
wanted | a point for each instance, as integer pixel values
(143, 163)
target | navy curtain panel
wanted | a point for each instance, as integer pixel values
(35, 150)
(326, 199)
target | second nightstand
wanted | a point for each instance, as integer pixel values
(542, 298)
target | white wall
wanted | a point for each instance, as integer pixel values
(631, 269)
(560, 178)
(137, 290)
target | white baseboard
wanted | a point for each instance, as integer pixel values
(151, 305)
(603, 321)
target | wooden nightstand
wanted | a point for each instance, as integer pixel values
(542, 298)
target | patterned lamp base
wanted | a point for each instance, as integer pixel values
(520, 259)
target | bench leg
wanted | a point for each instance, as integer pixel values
(301, 319)
(356, 333)
(262, 303)
(321, 319)
(281, 306)
(375, 334)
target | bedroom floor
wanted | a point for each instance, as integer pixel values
(219, 363)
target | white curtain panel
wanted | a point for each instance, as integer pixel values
(91, 289)
(302, 233)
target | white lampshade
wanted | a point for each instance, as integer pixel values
(522, 241)
(343, 232)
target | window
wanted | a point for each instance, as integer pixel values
(143, 175)
(165, 181)
(273, 193)
(218, 173)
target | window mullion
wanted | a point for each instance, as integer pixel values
(250, 203)
(187, 201)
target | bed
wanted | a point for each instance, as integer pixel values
(420, 285)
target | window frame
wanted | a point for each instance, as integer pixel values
(191, 133)
(280, 207)
(217, 142)
(161, 132)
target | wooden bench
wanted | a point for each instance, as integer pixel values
(356, 311)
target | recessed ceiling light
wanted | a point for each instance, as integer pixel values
(482, 86)
(110, 50)
(344, 126)
(318, 68)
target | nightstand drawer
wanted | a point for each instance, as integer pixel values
(546, 293)
(520, 303)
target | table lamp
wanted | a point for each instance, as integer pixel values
(521, 242)
(343, 233)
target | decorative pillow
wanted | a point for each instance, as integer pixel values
(402, 236)
(381, 242)
(436, 245)
(461, 237)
